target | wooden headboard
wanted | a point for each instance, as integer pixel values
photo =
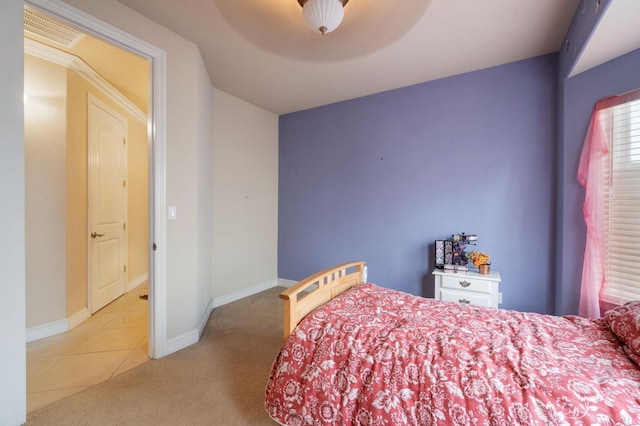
(318, 289)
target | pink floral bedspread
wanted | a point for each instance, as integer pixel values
(375, 356)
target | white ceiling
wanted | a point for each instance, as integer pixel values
(261, 51)
(617, 33)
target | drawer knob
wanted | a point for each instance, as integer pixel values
(465, 284)
(464, 301)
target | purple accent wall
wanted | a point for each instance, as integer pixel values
(579, 94)
(379, 178)
(586, 18)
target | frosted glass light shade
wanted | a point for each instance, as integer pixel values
(323, 16)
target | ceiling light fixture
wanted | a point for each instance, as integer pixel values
(323, 16)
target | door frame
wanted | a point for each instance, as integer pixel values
(156, 126)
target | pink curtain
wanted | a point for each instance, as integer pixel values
(595, 152)
(591, 176)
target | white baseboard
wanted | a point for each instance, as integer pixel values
(189, 338)
(38, 332)
(205, 318)
(178, 342)
(61, 326)
(57, 327)
(137, 281)
(182, 341)
(286, 283)
(245, 292)
(77, 318)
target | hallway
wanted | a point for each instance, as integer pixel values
(112, 341)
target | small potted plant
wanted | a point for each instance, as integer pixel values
(480, 260)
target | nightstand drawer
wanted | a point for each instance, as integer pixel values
(467, 297)
(468, 287)
(466, 283)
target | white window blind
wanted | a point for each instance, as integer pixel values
(622, 206)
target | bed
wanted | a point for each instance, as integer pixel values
(363, 354)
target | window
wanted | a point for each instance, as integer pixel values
(621, 209)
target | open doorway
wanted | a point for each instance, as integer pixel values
(153, 135)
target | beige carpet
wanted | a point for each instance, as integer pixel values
(218, 381)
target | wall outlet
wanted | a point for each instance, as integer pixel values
(499, 298)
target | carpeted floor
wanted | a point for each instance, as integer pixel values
(218, 381)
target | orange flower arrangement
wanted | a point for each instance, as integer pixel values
(479, 258)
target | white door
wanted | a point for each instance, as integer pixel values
(107, 204)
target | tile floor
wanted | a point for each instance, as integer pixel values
(112, 341)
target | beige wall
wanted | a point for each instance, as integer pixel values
(188, 105)
(77, 178)
(56, 191)
(76, 216)
(205, 220)
(245, 194)
(138, 199)
(13, 386)
(184, 102)
(45, 118)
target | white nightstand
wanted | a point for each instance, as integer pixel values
(468, 287)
